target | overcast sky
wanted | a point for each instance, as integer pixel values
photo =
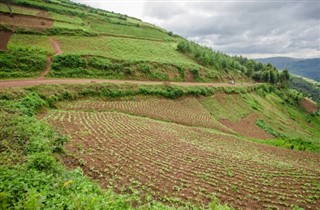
(253, 28)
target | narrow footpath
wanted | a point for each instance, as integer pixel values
(57, 51)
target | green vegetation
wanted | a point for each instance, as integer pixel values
(123, 49)
(100, 44)
(98, 67)
(311, 90)
(31, 42)
(30, 175)
(257, 71)
(22, 62)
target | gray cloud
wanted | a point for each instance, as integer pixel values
(250, 28)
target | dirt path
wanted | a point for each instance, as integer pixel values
(32, 82)
(57, 51)
(4, 39)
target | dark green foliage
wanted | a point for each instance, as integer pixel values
(42, 162)
(268, 128)
(305, 67)
(68, 61)
(99, 63)
(293, 144)
(22, 62)
(195, 73)
(307, 88)
(99, 67)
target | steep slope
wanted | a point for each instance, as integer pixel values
(101, 44)
(191, 144)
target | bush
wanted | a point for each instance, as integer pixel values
(68, 61)
(22, 62)
(100, 63)
(42, 162)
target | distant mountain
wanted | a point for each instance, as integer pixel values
(309, 68)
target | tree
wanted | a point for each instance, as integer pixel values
(284, 76)
(8, 3)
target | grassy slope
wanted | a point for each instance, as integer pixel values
(101, 33)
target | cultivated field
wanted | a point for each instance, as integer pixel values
(176, 163)
(186, 111)
(124, 49)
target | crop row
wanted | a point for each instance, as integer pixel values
(169, 161)
(186, 111)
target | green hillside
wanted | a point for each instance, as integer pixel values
(218, 131)
(101, 44)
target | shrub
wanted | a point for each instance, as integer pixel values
(68, 61)
(42, 162)
(100, 63)
(195, 72)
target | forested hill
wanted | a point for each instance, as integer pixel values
(309, 68)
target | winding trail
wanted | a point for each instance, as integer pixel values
(57, 51)
(32, 82)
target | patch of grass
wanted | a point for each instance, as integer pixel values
(123, 49)
(292, 143)
(137, 29)
(268, 128)
(232, 107)
(98, 67)
(66, 18)
(29, 41)
(22, 62)
(19, 10)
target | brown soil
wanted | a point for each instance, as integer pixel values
(169, 160)
(185, 111)
(31, 82)
(308, 105)
(57, 51)
(247, 127)
(188, 76)
(4, 39)
(43, 13)
(26, 21)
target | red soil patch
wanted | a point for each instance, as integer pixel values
(188, 76)
(308, 105)
(26, 21)
(247, 127)
(4, 39)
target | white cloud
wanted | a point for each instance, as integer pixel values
(251, 28)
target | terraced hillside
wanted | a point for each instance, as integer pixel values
(100, 44)
(107, 45)
(104, 111)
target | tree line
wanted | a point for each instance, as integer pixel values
(206, 56)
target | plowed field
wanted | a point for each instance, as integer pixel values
(186, 111)
(178, 163)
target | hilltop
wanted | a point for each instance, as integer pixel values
(101, 110)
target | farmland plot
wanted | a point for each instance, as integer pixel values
(186, 111)
(175, 163)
